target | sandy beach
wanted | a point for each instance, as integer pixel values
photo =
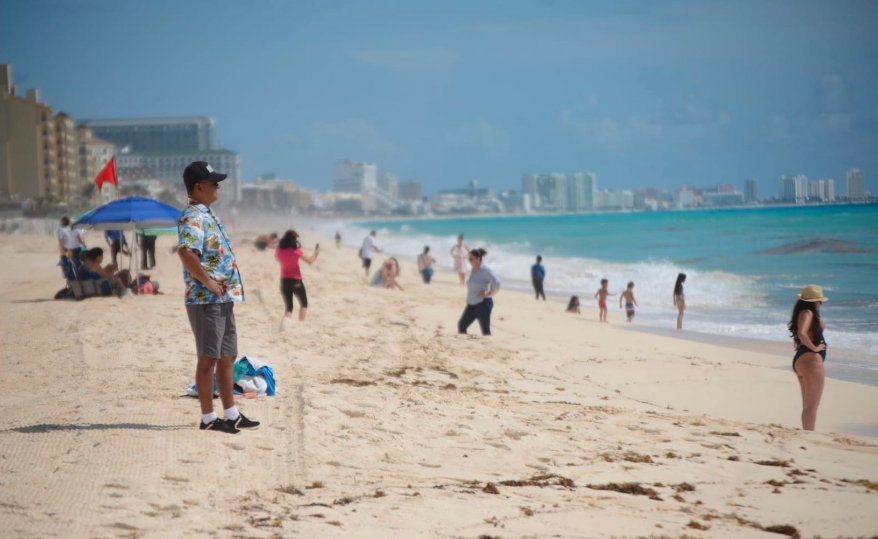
(389, 424)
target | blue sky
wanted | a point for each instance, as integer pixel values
(639, 92)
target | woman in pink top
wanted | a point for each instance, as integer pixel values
(288, 253)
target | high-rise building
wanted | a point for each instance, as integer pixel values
(388, 183)
(801, 188)
(169, 166)
(152, 135)
(86, 163)
(67, 186)
(552, 191)
(856, 184)
(793, 188)
(640, 199)
(354, 177)
(411, 191)
(529, 189)
(101, 152)
(581, 188)
(819, 190)
(788, 189)
(576, 192)
(830, 189)
(27, 141)
(751, 191)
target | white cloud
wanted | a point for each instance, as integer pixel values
(353, 138)
(778, 127)
(433, 61)
(696, 121)
(491, 139)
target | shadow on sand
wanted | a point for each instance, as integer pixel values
(48, 427)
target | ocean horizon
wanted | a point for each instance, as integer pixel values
(744, 266)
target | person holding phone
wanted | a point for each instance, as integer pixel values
(288, 253)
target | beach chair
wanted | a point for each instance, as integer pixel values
(80, 288)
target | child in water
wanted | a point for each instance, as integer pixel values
(573, 305)
(602, 295)
(630, 302)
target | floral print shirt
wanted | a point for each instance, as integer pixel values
(200, 230)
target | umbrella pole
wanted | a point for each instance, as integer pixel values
(136, 265)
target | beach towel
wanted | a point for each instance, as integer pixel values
(256, 367)
(251, 375)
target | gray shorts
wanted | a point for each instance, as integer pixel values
(214, 328)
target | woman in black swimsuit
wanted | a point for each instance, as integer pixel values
(806, 328)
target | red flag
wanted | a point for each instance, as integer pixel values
(108, 174)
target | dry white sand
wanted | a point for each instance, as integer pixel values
(389, 424)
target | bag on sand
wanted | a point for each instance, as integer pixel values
(251, 375)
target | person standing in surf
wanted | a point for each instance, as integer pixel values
(537, 276)
(680, 298)
(460, 252)
(806, 328)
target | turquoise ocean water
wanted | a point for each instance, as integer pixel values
(744, 266)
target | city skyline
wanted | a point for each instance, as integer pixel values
(663, 93)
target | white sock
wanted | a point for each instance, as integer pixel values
(232, 413)
(207, 418)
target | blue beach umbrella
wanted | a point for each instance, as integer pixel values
(130, 213)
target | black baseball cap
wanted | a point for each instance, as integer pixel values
(200, 171)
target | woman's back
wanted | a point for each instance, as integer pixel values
(289, 263)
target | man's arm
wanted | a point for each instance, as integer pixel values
(192, 262)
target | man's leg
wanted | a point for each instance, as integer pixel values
(225, 376)
(204, 383)
(203, 319)
(114, 250)
(225, 380)
(151, 251)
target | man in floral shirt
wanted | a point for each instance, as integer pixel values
(213, 285)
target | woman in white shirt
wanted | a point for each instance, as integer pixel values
(460, 254)
(70, 240)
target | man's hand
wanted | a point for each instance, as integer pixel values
(215, 287)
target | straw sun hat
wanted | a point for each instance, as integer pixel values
(812, 292)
